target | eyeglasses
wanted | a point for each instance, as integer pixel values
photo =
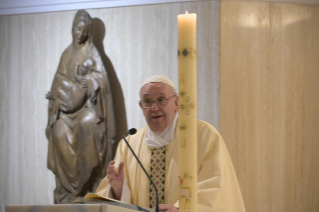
(162, 101)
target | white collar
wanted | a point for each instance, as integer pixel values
(159, 139)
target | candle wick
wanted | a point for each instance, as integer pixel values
(186, 12)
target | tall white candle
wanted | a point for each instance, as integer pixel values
(187, 129)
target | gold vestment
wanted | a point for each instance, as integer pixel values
(218, 189)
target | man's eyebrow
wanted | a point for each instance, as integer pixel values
(146, 95)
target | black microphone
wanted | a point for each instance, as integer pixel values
(132, 132)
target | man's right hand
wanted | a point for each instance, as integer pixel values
(116, 178)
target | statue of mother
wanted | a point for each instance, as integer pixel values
(81, 134)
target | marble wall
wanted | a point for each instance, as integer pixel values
(137, 42)
(269, 102)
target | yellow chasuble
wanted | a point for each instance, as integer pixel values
(217, 186)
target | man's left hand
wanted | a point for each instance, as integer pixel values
(168, 208)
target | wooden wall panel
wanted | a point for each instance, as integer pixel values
(269, 102)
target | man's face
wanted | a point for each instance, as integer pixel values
(157, 117)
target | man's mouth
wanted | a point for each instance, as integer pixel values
(157, 117)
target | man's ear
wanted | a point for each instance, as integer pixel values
(140, 104)
(176, 103)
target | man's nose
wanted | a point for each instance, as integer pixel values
(154, 107)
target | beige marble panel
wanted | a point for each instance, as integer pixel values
(244, 66)
(295, 64)
(269, 102)
(138, 42)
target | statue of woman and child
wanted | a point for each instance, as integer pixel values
(81, 125)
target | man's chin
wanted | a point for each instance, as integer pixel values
(157, 128)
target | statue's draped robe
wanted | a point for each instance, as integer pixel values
(79, 137)
(218, 189)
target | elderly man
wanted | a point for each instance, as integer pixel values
(156, 145)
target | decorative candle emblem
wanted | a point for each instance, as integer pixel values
(185, 195)
(182, 142)
(182, 127)
(189, 52)
(186, 175)
(181, 80)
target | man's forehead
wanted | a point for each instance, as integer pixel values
(154, 88)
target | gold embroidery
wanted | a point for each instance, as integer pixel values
(157, 173)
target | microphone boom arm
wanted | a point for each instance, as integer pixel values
(157, 206)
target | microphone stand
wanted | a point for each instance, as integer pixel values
(157, 206)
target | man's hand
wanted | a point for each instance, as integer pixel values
(116, 178)
(168, 208)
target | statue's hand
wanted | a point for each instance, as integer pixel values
(49, 96)
(54, 110)
(78, 77)
(116, 178)
(92, 95)
(81, 80)
(77, 66)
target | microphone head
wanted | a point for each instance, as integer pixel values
(132, 131)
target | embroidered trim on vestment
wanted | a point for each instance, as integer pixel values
(157, 173)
